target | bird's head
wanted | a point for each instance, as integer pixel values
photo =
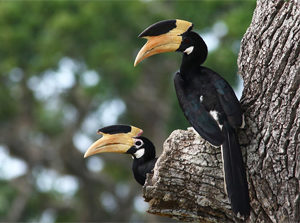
(142, 149)
(122, 139)
(170, 36)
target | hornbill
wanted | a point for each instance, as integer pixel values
(207, 100)
(126, 139)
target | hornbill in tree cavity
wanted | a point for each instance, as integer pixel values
(126, 139)
(207, 100)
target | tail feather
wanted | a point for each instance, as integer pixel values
(236, 184)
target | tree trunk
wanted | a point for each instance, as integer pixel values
(187, 183)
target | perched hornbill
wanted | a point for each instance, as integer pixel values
(126, 139)
(207, 100)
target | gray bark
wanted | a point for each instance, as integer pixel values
(187, 183)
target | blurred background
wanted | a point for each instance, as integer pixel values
(66, 70)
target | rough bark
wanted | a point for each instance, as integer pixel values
(187, 183)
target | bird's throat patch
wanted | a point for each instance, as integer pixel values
(139, 153)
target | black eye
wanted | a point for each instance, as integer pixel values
(186, 41)
(138, 143)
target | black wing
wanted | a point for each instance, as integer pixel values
(229, 102)
(197, 115)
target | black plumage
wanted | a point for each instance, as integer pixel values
(127, 139)
(208, 102)
(200, 92)
(145, 164)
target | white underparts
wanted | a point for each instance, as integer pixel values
(189, 50)
(139, 153)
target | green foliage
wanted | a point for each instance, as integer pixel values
(8, 194)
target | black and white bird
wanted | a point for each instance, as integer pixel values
(126, 139)
(206, 99)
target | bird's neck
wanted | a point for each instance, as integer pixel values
(190, 62)
(137, 175)
(137, 162)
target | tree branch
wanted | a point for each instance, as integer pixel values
(187, 183)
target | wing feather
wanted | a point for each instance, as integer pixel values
(229, 102)
(197, 115)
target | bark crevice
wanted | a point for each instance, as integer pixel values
(187, 182)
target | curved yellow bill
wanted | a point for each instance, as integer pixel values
(114, 143)
(158, 44)
(167, 42)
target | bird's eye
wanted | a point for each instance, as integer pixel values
(186, 41)
(138, 143)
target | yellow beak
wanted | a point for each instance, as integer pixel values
(113, 143)
(167, 42)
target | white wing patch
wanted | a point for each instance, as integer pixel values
(214, 114)
(139, 153)
(201, 98)
(189, 50)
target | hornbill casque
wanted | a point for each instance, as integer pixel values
(207, 100)
(126, 139)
